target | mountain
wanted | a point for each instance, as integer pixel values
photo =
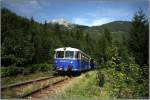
(66, 24)
(26, 41)
(115, 27)
(60, 21)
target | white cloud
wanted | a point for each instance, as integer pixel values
(81, 21)
(100, 21)
(91, 22)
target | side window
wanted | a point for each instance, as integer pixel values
(85, 58)
(82, 56)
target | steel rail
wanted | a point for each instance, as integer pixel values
(25, 83)
(37, 90)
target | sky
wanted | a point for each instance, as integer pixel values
(83, 12)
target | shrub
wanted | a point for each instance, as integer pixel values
(42, 67)
(8, 60)
(13, 71)
(100, 78)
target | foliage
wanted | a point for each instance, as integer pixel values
(10, 71)
(26, 42)
(14, 71)
(138, 42)
(42, 67)
(125, 80)
(122, 80)
(117, 27)
(122, 72)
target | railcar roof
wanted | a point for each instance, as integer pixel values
(70, 49)
(67, 49)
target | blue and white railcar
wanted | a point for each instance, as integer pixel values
(71, 59)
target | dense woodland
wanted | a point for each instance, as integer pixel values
(25, 43)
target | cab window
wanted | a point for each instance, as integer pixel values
(69, 54)
(60, 54)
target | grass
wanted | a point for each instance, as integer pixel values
(86, 87)
(112, 86)
(21, 78)
(92, 85)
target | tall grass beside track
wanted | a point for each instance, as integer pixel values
(86, 87)
(105, 83)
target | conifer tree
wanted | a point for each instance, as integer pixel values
(138, 42)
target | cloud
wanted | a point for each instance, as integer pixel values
(100, 21)
(81, 21)
(91, 22)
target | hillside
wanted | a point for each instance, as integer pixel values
(25, 41)
(116, 27)
(40, 39)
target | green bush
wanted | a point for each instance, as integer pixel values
(100, 78)
(26, 71)
(13, 71)
(42, 67)
(122, 79)
(8, 60)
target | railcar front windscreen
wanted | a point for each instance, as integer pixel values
(69, 54)
(60, 54)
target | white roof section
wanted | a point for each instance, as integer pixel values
(67, 49)
(70, 49)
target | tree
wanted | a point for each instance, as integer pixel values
(32, 19)
(107, 35)
(139, 36)
(138, 45)
(79, 34)
(45, 23)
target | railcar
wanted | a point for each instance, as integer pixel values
(72, 60)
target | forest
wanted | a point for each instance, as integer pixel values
(28, 46)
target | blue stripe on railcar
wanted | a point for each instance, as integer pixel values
(75, 64)
(63, 64)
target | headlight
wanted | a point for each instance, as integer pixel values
(71, 62)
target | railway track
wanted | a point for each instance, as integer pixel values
(24, 89)
(25, 83)
(44, 91)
